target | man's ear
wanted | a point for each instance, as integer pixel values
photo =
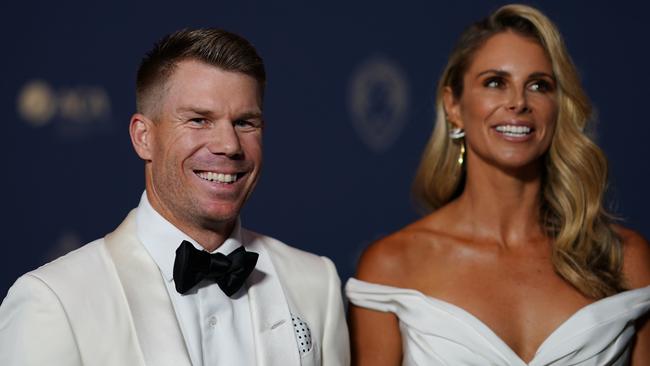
(141, 131)
(452, 108)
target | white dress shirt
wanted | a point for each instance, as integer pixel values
(217, 329)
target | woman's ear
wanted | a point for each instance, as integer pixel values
(452, 108)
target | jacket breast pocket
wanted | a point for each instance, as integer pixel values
(311, 357)
(308, 347)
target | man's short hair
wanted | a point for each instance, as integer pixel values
(216, 47)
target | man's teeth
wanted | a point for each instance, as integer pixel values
(218, 177)
(516, 131)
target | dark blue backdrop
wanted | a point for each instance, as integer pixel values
(349, 107)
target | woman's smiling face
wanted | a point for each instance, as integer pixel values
(508, 106)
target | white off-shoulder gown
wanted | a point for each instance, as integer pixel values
(435, 332)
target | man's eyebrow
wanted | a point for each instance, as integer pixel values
(196, 110)
(208, 112)
(251, 114)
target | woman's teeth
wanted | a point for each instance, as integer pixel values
(515, 131)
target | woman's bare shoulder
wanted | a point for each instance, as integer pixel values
(390, 261)
(636, 257)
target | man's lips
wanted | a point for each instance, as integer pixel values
(226, 178)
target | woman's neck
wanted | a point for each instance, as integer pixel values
(502, 206)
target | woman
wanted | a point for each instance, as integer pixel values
(518, 263)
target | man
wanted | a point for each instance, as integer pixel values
(150, 293)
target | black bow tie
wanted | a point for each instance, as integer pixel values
(228, 271)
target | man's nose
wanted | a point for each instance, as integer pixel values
(224, 139)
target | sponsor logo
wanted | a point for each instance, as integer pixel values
(378, 100)
(77, 111)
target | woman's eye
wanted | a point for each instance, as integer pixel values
(493, 83)
(541, 86)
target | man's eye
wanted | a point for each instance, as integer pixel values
(247, 124)
(199, 121)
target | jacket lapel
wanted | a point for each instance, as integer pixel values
(275, 342)
(154, 319)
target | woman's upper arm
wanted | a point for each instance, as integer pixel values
(375, 335)
(375, 338)
(636, 270)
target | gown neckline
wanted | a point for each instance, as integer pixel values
(484, 329)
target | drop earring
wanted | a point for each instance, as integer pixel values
(457, 135)
(461, 157)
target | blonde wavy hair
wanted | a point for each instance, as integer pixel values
(587, 252)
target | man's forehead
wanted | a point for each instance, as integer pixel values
(203, 87)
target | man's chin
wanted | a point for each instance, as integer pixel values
(216, 214)
(222, 215)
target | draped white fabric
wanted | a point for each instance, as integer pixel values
(435, 332)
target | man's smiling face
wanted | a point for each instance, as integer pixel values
(205, 144)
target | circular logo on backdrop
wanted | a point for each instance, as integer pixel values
(78, 110)
(378, 100)
(37, 103)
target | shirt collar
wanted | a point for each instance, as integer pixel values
(161, 238)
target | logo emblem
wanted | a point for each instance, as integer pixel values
(37, 103)
(79, 110)
(378, 101)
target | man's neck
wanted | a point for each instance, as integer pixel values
(208, 234)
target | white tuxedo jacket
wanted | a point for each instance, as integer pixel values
(106, 304)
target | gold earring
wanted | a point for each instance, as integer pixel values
(461, 157)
